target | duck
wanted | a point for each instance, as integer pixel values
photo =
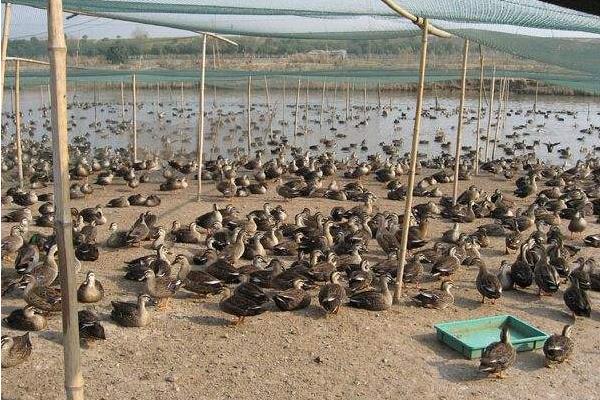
(446, 265)
(437, 299)
(513, 240)
(91, 290)
(199, 282)
(26, 319)
(161, 287)
(251, 291)
(294, 298)
(95, 214)
(90, 328)
(18, 215)
(45, 273)
(488, 284)
(189, 235)
(119, 202)
(116, 238)
(152, 200)
(208, 220)
(332, 294)
(545, 276)
(578, 224)
(362, 278)
(577, 299)
(28, 255)
(452, 235)
(41, 297)
(559, 347)
(498, 356)
(240, 306)
(373, 300)
(592, 240)
(131, 315)
(505, 277)
(138, 232)
(13, 242)
(15, 350)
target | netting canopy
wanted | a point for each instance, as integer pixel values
(530, 29)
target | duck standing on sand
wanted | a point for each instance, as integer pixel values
(498, 356)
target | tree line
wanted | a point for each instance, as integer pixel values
(120, 50)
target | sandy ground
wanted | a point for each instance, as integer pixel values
(190, 352)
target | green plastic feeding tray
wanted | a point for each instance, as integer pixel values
(470, 337)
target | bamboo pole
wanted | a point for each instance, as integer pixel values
(41, 96)
(63, 226)
(182, 97)
(322, 106)
(499, 116)
(378, 95)
(249, 117)
(17, 107)
(348, 101)
(490, 112)
(4, 45)
(283, 106)
(536, 97)
(156, 108)
(334, 111)
(477, 132)
(365, 102)
(134, 117)
(297, 110)
(270, 115)
(306, 108)
(122, 103)
(461, 111)
(413, 165)
(201, 118)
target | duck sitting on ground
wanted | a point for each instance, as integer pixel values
(131, 314)
(373, 300)
(26, 319)
(438, 299)
(15, 350)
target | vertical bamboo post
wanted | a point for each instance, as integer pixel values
(134, 117)
(283, 106)
(490, 112)
(348, 101)
(460, 119)
(413, 165)
(17, 107)
(58, 78)
(156, 108)
(334, 110)
(4, 49)
(297, 110)
(536, 97)
(499, 116)
(306, 108)
(95, 108)
(41, 96)
(270, 115)
(322, 106)
(122, 103)
(477, 132)
(378, 95)
(507, 93)
(365, 102)
(182, 96)
(201, 117)
(249, 117)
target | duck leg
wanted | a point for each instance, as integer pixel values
(482, 299)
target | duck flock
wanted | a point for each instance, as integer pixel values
(267, 260)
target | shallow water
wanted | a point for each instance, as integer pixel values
(175, 133)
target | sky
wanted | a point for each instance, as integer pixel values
(28, 22)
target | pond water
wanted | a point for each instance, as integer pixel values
(560, 119)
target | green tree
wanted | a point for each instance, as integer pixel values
(116, 54)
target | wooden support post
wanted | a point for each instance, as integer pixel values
(17, 107)
(461, 111)
(249, 117)
(122, 103)
(42, 96)
(182, 97)
(348, 101)
(490, 112)
(4, 49)
(157, 99)
(201, 117)
(283, 106)
(536, 97)
(269, 114)
(297, 110)
(63, 226)
(378, 95)
(95, 107)
(134, 117)
(334, 110)
(499, 116)
(477, 130)
(365, 102)
(413, 166)
(322, 106)
(306, 108)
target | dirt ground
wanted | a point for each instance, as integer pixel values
(190, 352)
